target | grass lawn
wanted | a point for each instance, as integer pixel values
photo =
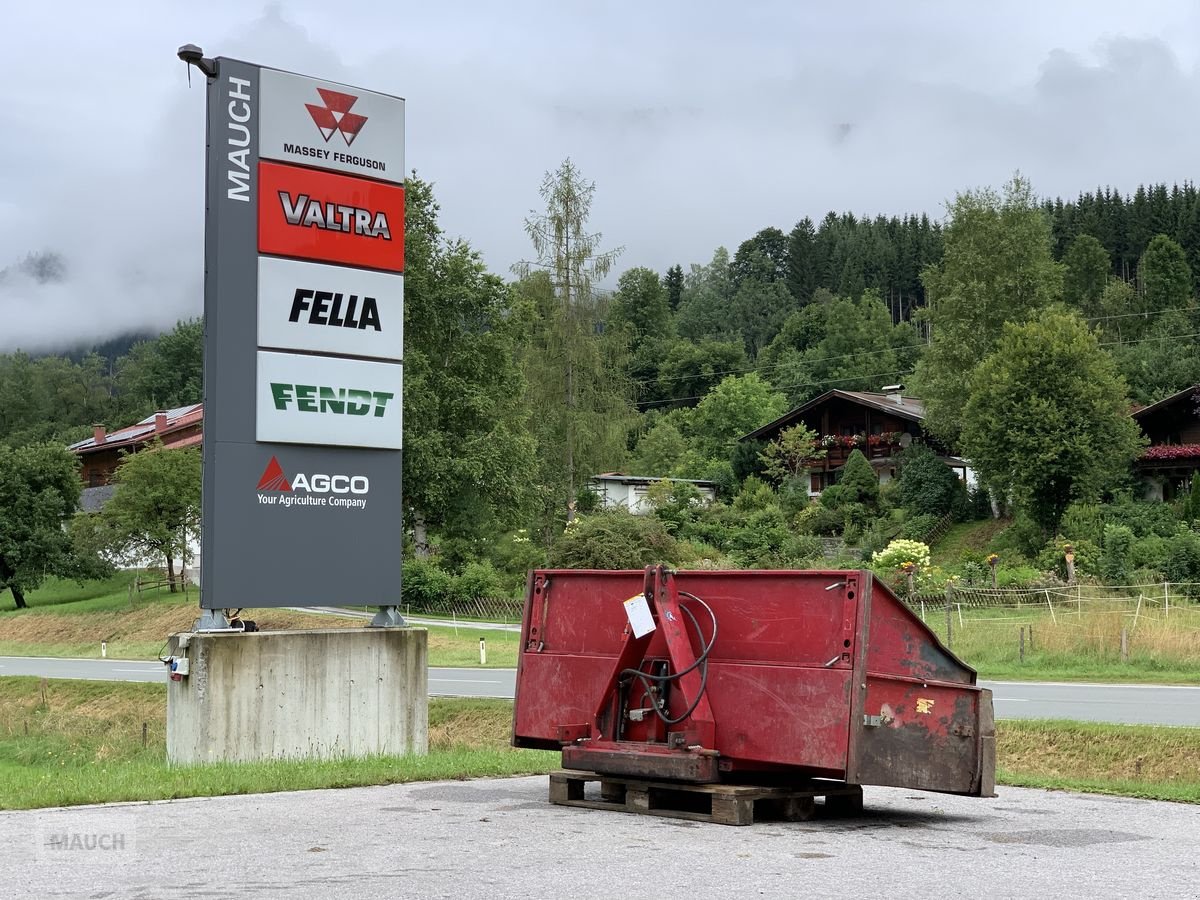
(81, 742)
(964, 536)
(1130, 760)
(67, 742)
(67, 620)
(1070, 646)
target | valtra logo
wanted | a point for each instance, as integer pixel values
(335, 116)
(276, 489)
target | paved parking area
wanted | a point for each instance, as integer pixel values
(500, 838)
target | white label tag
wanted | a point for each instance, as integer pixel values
(637, 610)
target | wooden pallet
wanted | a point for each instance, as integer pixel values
(725, 804)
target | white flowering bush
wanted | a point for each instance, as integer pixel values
(899, 555)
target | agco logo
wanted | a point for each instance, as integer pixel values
(335, 116)
(276, 489)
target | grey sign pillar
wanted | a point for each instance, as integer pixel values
(303, 343)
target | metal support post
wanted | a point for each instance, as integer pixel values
(388, 617)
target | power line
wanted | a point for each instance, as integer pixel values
(788, 387)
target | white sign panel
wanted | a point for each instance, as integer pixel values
(326, 401)
(330, 309)
(330, 126)
(641, 620)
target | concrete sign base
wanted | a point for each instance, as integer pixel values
(320, 694)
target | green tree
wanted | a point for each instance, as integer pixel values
(155, 510)
(997, 268)
(858, 485)
(641, 306)
(39, 491)
(577, 392)
(690, 369)
(614, 539)
(469, 460)
(926, 485)
(792, 453)
(673, 285)
(1085, 275)
(704, 306)
(1048, 419)
(738, 405)
(1165, 276)
(162, 373)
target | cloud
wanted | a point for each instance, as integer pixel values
(699, 123)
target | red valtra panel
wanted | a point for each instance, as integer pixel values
(307, 214)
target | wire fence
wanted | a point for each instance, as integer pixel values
(505, 610)
(1086, 622)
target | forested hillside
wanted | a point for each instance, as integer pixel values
(519, 386)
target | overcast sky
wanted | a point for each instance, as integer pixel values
(700, 122)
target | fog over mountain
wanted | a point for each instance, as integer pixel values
(700, 123)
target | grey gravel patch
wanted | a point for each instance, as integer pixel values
(1064, 837)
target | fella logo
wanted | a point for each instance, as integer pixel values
(322, 216)
(335, 116)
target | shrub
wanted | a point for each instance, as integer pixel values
(1117, 558)
(899, 552)
(760, 542)
(1183, 557)
(979, 503)
(674, 503)
(857, 484)
(917, 528)
(614, 539)
(819, 519)
(479, 580)
(755, 494)
(1053, 557)
(927, 486)
(424, 584)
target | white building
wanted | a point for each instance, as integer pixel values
(616, 490)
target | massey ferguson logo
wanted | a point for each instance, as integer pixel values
(335, 115)
(276, 489)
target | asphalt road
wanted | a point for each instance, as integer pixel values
(1130, 704)
(500, 838)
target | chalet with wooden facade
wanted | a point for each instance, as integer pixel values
(878, 424)
(1172, 425)
(101, 454)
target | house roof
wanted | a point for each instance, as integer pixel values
(622, 478)
(1162, 404)
(903, 407)
(180, 417)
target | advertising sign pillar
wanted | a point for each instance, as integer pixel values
(303, 343)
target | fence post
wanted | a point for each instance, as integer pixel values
(1021, 644)
(1166, 599)
(1124, 645)
(949, 618)
(1051, 605)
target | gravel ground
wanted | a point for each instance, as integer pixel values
(500, 838)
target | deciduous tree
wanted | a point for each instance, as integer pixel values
(1048, 419)
(39, 491)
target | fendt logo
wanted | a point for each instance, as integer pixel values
(335, 116)
(276, 489)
